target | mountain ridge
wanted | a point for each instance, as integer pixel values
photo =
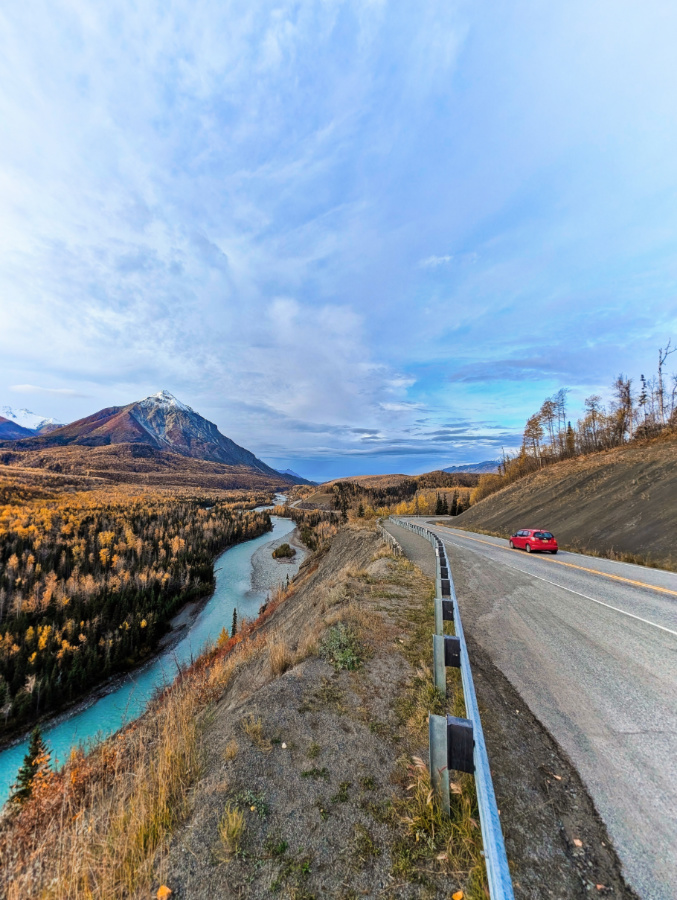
(159, 421)
(486, 467)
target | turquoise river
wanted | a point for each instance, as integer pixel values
(130, 697)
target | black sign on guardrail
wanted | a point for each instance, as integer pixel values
(460, 745)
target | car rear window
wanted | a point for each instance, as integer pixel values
(543, 535)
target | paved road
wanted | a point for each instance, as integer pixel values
(591, 646)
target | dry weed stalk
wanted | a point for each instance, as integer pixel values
(231, 751)
(281, 657)
(231, 826)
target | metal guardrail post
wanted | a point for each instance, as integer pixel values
(439, 762)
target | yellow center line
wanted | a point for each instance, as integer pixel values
(559, 562)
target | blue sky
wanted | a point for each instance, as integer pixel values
(359, 236)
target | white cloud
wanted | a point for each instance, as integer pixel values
(35, 389)
(432, 262)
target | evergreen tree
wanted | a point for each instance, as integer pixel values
(570, 441)
(454, 504)
(438, 507)
(445, 505)
(360, 510)
(233, 629)
(37, 757)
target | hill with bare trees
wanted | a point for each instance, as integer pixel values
(620, 503)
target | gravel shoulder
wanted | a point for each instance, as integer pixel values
(557, 844)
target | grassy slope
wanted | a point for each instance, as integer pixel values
(618, 503)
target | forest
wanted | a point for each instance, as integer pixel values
(90, 579)
(435, 493)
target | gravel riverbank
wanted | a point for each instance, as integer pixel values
(267, 572)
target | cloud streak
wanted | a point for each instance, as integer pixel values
(320, 223)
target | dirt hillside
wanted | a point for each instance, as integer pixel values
(313, 759)
(619, 503)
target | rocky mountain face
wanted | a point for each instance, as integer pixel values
(160, 421)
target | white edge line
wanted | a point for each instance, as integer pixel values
(585, 596)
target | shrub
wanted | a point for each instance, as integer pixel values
(284, 551)
(341, 648)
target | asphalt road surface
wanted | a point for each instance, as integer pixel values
(591, 646)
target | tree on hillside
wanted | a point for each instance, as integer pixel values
(662, 358)
(547, 416)
(622, 406)
(233, 627)
(36, 759)
(533, 435)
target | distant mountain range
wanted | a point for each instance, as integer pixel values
(299, 478)
(160, 422)
(481, 468)
(18, 423)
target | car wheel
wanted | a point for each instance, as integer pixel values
(512, 546)
(553, 552)
(528, 548)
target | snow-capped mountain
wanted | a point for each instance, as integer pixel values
(162, 399)
(161, 421)
(27, 419)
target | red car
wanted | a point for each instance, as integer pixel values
(533, 540)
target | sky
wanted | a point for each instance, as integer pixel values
(361, 236)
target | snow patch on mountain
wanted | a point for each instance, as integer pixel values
(164, 399)
(26, 418)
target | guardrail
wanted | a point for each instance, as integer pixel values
(459, 743)
(388, 539)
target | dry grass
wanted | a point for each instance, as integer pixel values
(429, 839)
(455, 843)
(309, 643)
(231, 827)
(94, 829)
(231, 751)
(253, 728)
(281, 657)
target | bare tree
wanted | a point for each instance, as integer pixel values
(622, 409)
(547, 415)
(662, 357)
(561, 405)
(533, 435)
